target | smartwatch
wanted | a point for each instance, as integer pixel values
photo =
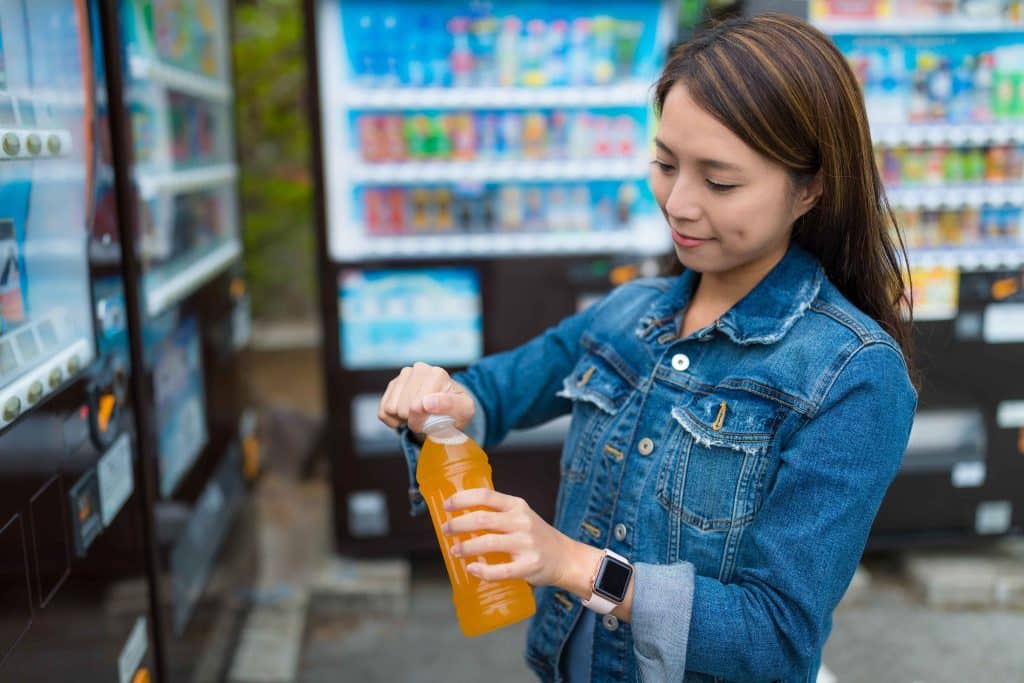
(610, 583)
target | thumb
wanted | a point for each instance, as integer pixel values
(458, 405)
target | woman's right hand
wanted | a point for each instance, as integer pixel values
(420, 391)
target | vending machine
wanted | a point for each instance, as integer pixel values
(171, 100)
(480, 165)
(73, 524)
(941, 82)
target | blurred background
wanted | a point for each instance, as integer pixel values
(225, 226)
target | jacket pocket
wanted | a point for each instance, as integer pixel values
(597, 391)
(713, 479)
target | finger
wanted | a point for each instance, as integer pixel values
(489, 498)
(441, 403)
(487, 543)
(382, 407)
(478, 520)
(411, 401)
(435, 382)
(396, 394)
(516, 569)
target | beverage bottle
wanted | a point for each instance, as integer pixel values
(461, 55)
(507, 51)
(450, 461)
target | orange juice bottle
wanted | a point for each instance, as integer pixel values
(450, 461)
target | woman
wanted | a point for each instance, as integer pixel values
(735, 426)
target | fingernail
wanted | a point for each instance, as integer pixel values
(457, 550)
(430, 403)
(448, 504)
(444, 528)
(473, 569)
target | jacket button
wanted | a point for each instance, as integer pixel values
(680, 362)
(645, 446)
(610, 622)
(620, 532)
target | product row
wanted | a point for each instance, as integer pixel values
(181, 32)
(175, 226)
(1008, 10)
(924, 166)
(986, 227)
(427, 48)
(493, 135)
(482, 208)
(197, 130)
(945, 80)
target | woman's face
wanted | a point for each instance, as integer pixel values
(730, 209)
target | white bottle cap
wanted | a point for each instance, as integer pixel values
(437, 421)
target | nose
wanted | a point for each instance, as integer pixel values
(681, 205)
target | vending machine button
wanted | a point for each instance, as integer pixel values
(74, 364)
(56, 376)
(12, 408)
(107, 403)
(34, 144)
(53, 144)
(35, 392)
(12, 144)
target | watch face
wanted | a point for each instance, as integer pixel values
(613, 579)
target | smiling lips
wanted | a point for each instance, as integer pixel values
(686, 241)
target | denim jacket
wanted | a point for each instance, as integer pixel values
(739, 468)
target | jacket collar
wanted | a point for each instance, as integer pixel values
(764, 315)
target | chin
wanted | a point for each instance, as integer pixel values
(696, 262)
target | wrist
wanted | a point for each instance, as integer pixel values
(578, 577)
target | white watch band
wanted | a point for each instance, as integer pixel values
(599, 603)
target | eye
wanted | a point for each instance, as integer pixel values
(663, 167)
(719, 187)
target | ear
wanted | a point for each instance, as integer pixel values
(808, 195)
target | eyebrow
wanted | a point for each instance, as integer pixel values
(708, 163)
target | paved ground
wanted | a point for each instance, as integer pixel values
(886, 636)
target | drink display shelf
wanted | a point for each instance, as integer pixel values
(165, 288)
(646, 236)
(496, 171)
(996, 133)
(917, 26)
(620, 95)
(964, 258)
(957, 196)
(181, 80)
(63, 99)
(185, 181)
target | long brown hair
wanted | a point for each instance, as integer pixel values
(784, 89)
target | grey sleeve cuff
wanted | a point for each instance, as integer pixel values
(662, 607)
(476, 430)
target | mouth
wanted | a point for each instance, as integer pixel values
(688, 242)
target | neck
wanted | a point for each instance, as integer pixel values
(723, 290)
(716, 293)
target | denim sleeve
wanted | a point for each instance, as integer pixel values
(799, 554)
(518, 389)
(660, 619)
(515, 389)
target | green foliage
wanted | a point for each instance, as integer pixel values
(273, 141)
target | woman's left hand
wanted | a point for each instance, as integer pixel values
(540, 553)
